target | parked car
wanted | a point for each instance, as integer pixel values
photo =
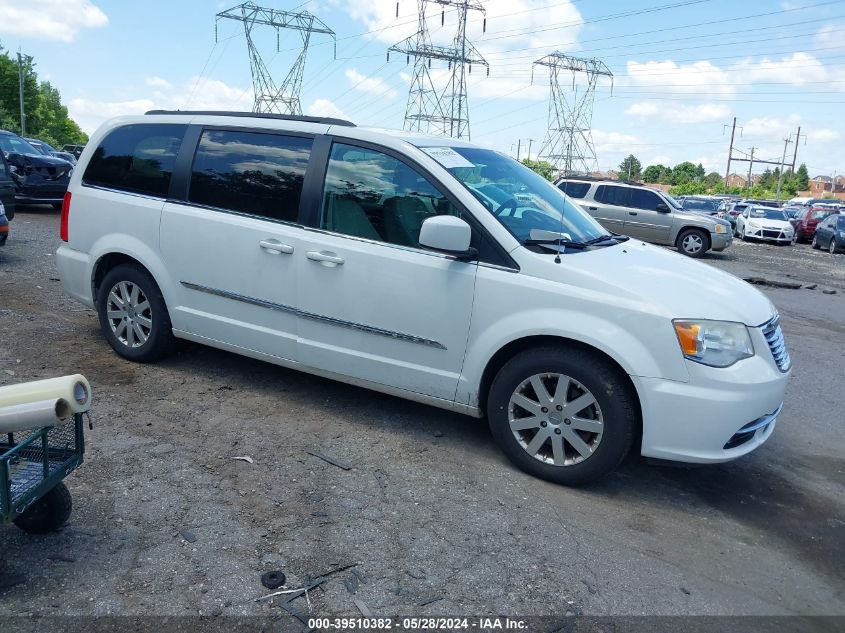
(76, 150)
(792, 213)
(649, 214)
(7, 189)
(4, 225)
(733, 211)
(805, 227)
(392, 261)
(38, 179)
(830, 234)
(765, 224)
(48, 150)
(696, 204)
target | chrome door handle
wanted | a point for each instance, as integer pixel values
(632, 213)
(275, 246)
(593, 208)
(324, 256)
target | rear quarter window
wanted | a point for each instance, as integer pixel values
(136, 158)
(574, 189)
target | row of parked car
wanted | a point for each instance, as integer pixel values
(696, 224)
(32, 172)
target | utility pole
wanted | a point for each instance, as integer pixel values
(531, 140)
(568, 142)
(20, 91)
(518, 146)
(730, 151)
(795, 155)
(786, 142)
(283, 99)
(750, 165)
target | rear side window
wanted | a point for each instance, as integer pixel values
(574, 189)
(250, 172)
(610, 194)
(136, 158)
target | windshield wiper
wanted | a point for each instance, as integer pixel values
(557, 241)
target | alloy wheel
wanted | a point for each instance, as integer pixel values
(129, 314)
(692, 243)
(555, 419)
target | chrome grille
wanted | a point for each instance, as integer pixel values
(774, 337)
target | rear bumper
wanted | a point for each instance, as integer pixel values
(75, 273)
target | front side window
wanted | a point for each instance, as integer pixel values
(521, 200)
(375, 196)
(136, 158)
(647, 200)
(250, 172)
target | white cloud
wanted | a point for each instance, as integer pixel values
(830, 34)
(700, 113)
(158, 82)
(325, 107)
(371, 85)
(688, 78)
(195, 94)
(49, 19)
(823, 135)
(771, 127)
(613, 142)
(796, 69)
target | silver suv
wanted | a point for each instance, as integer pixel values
(648, 214)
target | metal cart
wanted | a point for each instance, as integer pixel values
(32, 467)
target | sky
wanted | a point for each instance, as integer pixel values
(682, 69)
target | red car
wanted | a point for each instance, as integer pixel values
(807, 221)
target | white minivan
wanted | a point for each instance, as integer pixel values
(423, 267)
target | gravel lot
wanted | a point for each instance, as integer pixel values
(166, 521)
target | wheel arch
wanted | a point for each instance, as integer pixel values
(512, 348)
(700, 229)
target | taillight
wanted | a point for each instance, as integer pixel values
(65, 216)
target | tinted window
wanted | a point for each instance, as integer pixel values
(372, 195)
(12, 143)
(647, 200)
(251, 172)
(574, 189)
(136, 158)
(609, 194)
(4, 171)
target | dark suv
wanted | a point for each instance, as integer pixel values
(38, 179)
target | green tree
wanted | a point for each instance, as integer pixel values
(630, 168)
(713, 180)
(802, 178)
(46, 117)
(656, 173)
(688, 189)
(684, 172)
(546, 170)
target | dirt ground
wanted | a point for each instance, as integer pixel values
(167, 522)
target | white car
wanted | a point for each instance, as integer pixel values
(423, 267)
(764, 223)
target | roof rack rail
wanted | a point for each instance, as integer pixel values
(260, 115)
(600, 179)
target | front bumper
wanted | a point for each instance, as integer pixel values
(770, 235)
(719, 415)
(720, 241)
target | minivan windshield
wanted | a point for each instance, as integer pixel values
(520, 199)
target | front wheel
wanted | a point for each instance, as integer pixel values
(562, 414)
(133, 315)
(815, 243)
(832, 247)
(693, 242)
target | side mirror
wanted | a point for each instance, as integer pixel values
(448, 234)
(662, 207)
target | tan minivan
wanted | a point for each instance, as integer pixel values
(648, 214)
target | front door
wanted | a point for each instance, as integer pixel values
(644, 221)
(373, 304)
(231, 247)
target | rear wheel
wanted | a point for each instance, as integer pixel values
(47, 514)
(562, 414)
(832, 247)
(133, 315)
(693, 242)
(815, 243)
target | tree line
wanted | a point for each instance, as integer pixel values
(46, 117)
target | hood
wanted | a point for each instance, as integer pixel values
(769, 224)
(661, 281)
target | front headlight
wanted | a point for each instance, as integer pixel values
(721, 228)
(713, 343)
(753, 225)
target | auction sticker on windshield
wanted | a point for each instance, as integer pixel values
(447, 157)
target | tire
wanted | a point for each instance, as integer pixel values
(10, 214)
(832, 247)
(147, 318)
(57, 206)
(736, 232)
(613, 411)
(815, 243)
(693, 243)
(47, 514)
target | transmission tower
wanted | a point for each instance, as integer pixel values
(568, 143)
(283, 99)
(445, 113)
